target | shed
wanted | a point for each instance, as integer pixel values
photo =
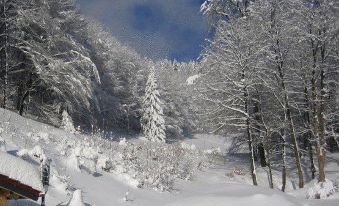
(19, 179)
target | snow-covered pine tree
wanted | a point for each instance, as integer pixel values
(67, 122)
(152, 121)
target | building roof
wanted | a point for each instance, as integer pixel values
(19, 176)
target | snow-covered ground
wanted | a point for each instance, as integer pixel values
(226, 182)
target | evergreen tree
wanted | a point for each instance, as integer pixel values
(67, 122)
(152, 121)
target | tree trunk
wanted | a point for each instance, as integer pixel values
(283, 158)
(250, 144)
(308, 136)
(249, 134)
(270, 170)
(295, 146)
(267, 149)
(310, 155)
(22, 103)
(262, 155)
(318, 107)
(6, 33)
(257, 128)
(288, 116)
(321, 131)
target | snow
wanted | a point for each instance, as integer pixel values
(58, 184)
(221, 199)
(20, 170)
(76, 199)
(190, 80)
(321, 190)
(225, 183)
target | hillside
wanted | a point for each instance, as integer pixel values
(210, 185)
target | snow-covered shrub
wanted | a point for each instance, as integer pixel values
(123, 142)
(73, 162)
(82, 155)
(23, 153)
(213, 151)
(88, 158)
(157, 165)
(2, 141)
(188, 146)
(2, 144)
(36, 153)
(104, 163)
(39, 136)
(321, 190)
(237, 171)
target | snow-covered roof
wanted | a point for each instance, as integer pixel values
(20, 170)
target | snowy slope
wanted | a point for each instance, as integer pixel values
(212, 187)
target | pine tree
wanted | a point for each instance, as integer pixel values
(67, 122)
(152, 121)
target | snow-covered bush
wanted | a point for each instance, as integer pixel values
(104, 163)
(2, 141)
(157, 165)
(321, 190)
(237, 171)
(188, 146)
(36, 153)
(85, 157)
(39, 136)
(85, 154)
(2, 144)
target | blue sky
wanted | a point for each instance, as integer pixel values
(173, 29)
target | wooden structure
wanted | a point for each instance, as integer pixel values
(20, 179)
(11, 189)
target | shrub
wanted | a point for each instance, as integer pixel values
(157, 165)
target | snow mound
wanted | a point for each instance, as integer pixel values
(76, 199)
(18, 169)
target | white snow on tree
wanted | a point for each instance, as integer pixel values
(67, 122)
(152, 121)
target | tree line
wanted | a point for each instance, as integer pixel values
(270, 74)
(53, 59)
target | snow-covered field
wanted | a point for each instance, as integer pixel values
(225, 182)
